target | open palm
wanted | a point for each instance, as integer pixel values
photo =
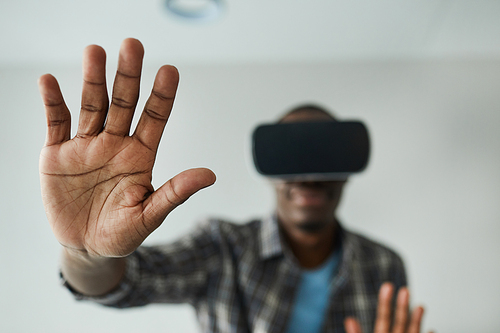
(96, 187)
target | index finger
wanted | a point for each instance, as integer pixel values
(351, 325)
(157, 109)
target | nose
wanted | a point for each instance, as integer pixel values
(310, 184)
(317, 184)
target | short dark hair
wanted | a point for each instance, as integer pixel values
(313, 108)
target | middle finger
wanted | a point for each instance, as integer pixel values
(125, 88)
(401, 315)
(383, 321)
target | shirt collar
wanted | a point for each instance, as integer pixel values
(270, 241)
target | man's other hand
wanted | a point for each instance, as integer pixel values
(402, 324)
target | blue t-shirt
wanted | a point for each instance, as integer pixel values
(311, 300)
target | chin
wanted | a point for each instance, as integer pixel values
(312, 227)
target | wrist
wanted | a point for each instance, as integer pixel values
(81, 259)
(89, 274)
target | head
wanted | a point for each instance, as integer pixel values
(307, 207)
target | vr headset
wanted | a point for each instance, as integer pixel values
(309, 151)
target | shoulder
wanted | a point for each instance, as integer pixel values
(224, 231)
(226, 227)
(371, 252)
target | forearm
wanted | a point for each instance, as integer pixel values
(91, 276)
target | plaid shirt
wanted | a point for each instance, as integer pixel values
(242, 278)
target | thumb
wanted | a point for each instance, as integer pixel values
(351, 325)
(173, 193)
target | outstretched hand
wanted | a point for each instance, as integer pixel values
(96, 187)
(383, 322)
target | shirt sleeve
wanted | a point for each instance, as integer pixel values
(174, 273)
(398, 272)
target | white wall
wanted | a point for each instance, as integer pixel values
(430, 191)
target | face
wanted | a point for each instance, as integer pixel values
(307, 206)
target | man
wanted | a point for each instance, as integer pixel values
(99, 200)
